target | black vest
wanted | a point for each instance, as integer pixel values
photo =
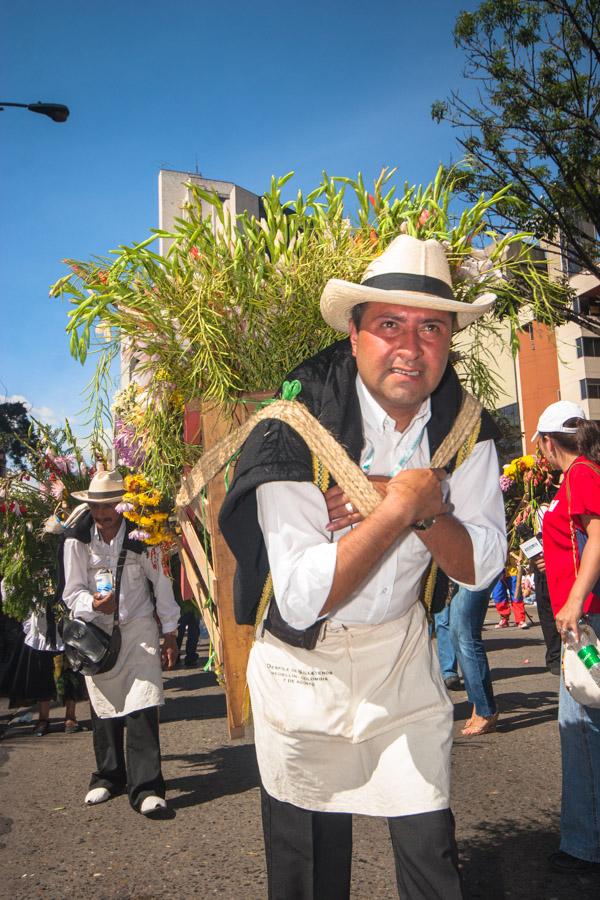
(275, 452)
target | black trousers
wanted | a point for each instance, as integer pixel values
(309, 853)
(128, 755)
(546, 617)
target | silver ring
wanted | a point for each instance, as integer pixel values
(349, 507)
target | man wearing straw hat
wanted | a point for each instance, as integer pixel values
(350, 710)
(125, 699)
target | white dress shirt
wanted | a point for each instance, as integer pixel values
(302, 553)
(83, 561)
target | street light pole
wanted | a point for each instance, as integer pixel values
(55, 111)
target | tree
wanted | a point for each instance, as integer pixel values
(16, 433)
(534, 122)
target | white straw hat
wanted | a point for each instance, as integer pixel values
(105, 487)
(409, 272)
(552, 420)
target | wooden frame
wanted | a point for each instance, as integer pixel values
(209, 570)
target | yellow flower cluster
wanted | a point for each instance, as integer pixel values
(140, 501)
(520, 464)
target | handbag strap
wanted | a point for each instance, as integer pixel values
(596, 469)
(120, 564)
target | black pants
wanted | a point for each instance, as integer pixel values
(546, 617)
(309, 853)
(130, 760)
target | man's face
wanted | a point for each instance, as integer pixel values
(401, 354)
(106, 517)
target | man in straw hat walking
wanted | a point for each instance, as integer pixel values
(125, 699)
(350, 710)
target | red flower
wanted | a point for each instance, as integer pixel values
(372, 200)
(102, 276)
(195, 252)
(424, 216)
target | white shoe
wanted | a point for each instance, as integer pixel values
(153, 806)
(97, 795)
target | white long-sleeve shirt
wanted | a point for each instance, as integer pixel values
(83, 561)
(302, 554)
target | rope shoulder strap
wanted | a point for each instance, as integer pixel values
(329, 453)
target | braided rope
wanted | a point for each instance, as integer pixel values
(354, 483)
(463, 452)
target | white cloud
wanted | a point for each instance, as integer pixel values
(44, 413)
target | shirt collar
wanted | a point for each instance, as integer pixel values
(377, 418)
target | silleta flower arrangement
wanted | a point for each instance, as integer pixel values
(527, 484)
(141, 505)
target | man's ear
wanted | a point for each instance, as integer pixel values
(353, 336)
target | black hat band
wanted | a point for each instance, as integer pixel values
(403, 281)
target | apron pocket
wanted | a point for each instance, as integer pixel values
(301, 691)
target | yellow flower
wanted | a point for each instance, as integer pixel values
(149, 498)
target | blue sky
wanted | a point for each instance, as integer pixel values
(241, 90)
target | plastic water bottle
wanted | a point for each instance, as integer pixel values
(587, 653)
(104, 581)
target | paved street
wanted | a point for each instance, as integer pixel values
(506, 799)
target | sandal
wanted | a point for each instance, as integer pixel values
(42, 728)
(489, 726)
(73, 727)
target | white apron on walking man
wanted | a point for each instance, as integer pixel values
(350, 710)
(124, 700)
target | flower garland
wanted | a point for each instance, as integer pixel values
(527, 484)
(140, 505)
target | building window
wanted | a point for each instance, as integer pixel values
(590, 388)
(587, 346)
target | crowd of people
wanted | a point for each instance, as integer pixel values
(350, 702)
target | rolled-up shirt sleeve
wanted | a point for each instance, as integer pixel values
(478, 505)
(167, 607)
(77, 594)
(292, 516)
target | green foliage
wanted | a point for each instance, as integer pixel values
(234, 304)
(30, 498)
(535, 123)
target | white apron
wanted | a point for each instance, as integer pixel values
(135, 682)
(361, 724)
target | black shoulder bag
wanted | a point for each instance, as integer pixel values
(88, 647)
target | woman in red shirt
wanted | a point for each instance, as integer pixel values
(572, 444)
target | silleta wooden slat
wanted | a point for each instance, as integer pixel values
(201, 599)
(236, 639)
(207, 424)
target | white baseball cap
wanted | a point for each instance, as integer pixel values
(552, 420)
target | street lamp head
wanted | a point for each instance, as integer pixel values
(55, 111)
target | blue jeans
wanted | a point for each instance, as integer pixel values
(467, 615)
(579, 728)
(445, 647)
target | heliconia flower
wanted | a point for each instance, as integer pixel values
(124, 507)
